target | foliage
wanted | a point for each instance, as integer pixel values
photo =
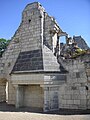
(3, 45)
(72, 52)
(78, 52)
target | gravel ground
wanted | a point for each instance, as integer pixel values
(8, 112)
(39, 116)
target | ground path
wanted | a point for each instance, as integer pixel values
(8, 112)
(39, 116)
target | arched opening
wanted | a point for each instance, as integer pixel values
(62, 39)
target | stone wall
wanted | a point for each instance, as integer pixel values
(33, 96)
(87, 68)
(50, 33)
(49, 60)
(74, 94)
(51, 99)
(2, 91)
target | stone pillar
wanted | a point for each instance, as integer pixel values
(19, 96)
(46, 106)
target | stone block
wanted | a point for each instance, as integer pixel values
(83, 92)
(83, 102)
(88, 107)
(67, 97)
(88, 72)
(83, 97)
(63, 101)
(88, 78)
(76, 102)
(70, 102)
(69, 92)
(64, 106)
(82, 80)
(73, 106)
(75, 97)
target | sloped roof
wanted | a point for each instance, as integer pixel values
(29, 60)
(81, 42)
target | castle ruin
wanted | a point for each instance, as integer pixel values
(32, 72)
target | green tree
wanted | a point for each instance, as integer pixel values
(3, 45)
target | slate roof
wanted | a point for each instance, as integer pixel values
(29, 60)
(81, 42)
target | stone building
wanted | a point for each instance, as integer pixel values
(81, 42)
(30, 73)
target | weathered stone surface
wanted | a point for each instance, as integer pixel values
(30, 66)
(75, 91)
(30, 56)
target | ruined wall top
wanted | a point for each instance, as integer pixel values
(34, 5)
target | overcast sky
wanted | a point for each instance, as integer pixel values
(73, 16)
